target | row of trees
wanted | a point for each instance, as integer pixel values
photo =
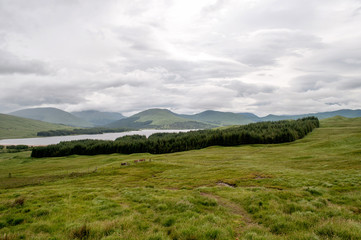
(14, 148)
(255, 133)
(78, 131)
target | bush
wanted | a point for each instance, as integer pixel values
(80, 232)
(19, 202)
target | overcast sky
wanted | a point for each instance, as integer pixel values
(260, 56)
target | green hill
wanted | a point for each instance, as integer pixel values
(220, 118)
(52, 115)
(98, 118)
(348, 113)
(158, 119)
(17, 127)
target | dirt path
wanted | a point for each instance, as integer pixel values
(232, 207)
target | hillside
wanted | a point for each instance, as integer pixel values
(52, 115)
(229, 118)
(158, 119)
(320, 115)
(220, 118)
(17, 127)
(307, 189)
(98, 118)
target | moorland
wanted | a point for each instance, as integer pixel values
(306, 189)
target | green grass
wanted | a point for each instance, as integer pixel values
(307, 189)
(18, 127)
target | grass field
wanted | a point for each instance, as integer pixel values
(308, 189)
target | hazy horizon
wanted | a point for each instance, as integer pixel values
(135, 112)
(263, 57)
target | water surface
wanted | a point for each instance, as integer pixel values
(57, 139)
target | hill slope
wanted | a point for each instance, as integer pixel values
(220, 118)
(52, 115)
(17, 127)
(159, 119)
(320, 115)
(98, 118)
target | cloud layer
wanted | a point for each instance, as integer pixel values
(273, 56)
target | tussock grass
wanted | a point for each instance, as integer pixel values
(308, 189)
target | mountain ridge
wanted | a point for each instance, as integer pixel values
(163, 118)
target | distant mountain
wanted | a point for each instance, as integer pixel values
(158, 119)
(251, 116)
(98, 118)
(17, 127)
(165, 119)
(222, 118)
(52, 115)
(321, 115)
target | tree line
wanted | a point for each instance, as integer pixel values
(14, 148)
(78, 131)
(254, 133)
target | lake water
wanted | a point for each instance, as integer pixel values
(58, 139)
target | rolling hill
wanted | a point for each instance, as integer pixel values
(165, 119)
(320, 115)
(221, 118)
(17, 127)
(159, 119)
(52, 115)
(98, 118)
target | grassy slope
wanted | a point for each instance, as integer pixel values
(308, 189)
(17, 127)
(98, 118)
(52, 115)
(321, 115)
(158, 118)
(221, 118)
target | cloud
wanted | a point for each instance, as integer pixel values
(247, 89)
(274, 56)
(11, 64)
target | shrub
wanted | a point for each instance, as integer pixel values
(80, 232)
(19, 202)
(169, 222)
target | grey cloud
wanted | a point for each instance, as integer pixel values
(313, 82)
(349, 84)
(11, 64)
(357, 12)
(247, 89)
(264, 47)
(217, 6)
(132, 55)
(321, 82)
(140, 38)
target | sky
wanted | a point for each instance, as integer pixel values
(259, 56)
